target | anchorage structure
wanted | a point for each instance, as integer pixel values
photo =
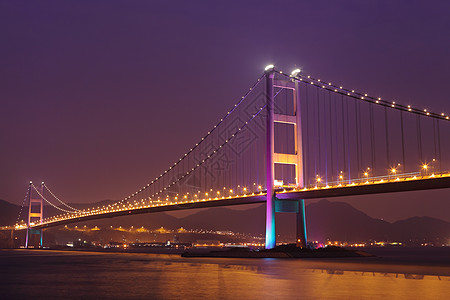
(272, 158)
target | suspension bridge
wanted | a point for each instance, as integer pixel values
(289, 138)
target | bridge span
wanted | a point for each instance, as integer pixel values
(352, 189)
(289, 138)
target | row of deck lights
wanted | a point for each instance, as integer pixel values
(151, 203)
(110, 208)
(425, 168)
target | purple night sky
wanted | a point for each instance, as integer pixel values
(100, 96)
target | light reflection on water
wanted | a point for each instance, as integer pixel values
(88, 275)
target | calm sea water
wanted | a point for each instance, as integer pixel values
(39, 274)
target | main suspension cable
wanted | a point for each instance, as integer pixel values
(60, 201)
(21, 207)
(210, 155)
(45, 199)
(378, 101)
(197, 144)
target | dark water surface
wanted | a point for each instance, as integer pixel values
(39, 274)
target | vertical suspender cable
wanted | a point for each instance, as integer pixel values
(360, 135)
(314, 138)
(194, 175)
(186, 188)
(434, 139)
(223, 168)
(403, 142)
(358, 159)
(348, 143)
(236, 175)
(260, 152)
(256, 158)
(386, 126)
(247, 171)
(372, 137)
(419, 139)
(437, 142)
(199, 170)
(205, 171)
(331, 135)
(325, 134)
(336, 136)
(237, 156)
(318, 132)
(439, 146)
(307, 154)
(343, 133)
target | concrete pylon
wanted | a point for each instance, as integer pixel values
(272, 158)
(270, 202)
(35, 203)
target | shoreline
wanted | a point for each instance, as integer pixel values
(336, 265)
(421, 257)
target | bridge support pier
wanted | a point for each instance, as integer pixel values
(270, 224)
(301, 225)
(297, 207)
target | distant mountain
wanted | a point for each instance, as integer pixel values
(341, 221)
(8, 213)
(420, 227)
(325, 221)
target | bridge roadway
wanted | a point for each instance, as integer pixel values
(343, 191)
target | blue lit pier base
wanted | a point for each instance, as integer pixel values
(301, 225)
(270, 203)
(270, 223)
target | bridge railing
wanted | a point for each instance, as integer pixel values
(376, 179)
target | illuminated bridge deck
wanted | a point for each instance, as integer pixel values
(358, 187)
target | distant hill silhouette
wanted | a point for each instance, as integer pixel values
(419, 227)
(341, 221)
(325, 220)
(8, 213)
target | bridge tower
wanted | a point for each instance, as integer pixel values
(272, 158)
(35, 214)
